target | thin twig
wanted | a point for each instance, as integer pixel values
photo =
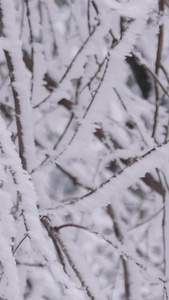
(99, 85)
(119, 236)
(95, 75)
(43, 101)
(77, 54)
(157, 66)
(56, 239)
(165, 72)
(29, 264)
(135, 161)
(88, 16)
(17, 109)
(56, 145)
(53, 236)
(73, 266)
(73, 178)
(31, 42)
(25, 236)
(117, 246)
(87, 110)
(134, 123)
(51, 25)
(148, 220)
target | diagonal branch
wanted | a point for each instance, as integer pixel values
(77, 54)
(118, 246)
(57, 240)
(17, 110)
(124, 178)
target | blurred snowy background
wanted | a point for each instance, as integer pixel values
(84, 91)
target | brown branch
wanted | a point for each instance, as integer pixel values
(31, 42)
(17, 109)
(119, 236)
(157, 65)
(123, 253)
(25, 236)
(53, 236)
(155, 185)
(95, 6)
(29, 264)
(165, 72)
(88, 16)
(43, 101)
(53, 233)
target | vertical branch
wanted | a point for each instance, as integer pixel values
(124, 262)
(165, 234)
(157, 65)
(163, 220)
(79, 276)
(17, 110)
(88, 16)
(20, 86)
(53, 233)
(31, 40)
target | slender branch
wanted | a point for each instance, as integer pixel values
(87, 110)
(148, 220)
(119, 236)
(98, 87)
(57, 143)
(25, 236)
(22, 20)
(157, 66)
(77, 54)
(119, 247)
(134, 123)
(88, 16)
(165, 72)
(102, 185)
(51, 26)
(73, 178)
(56, 239)
(17, 110)
(53, 236)
(95, 6)
(31, 42)
(29, 264)
(95, 75)
(78, 274)
(43, 101)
